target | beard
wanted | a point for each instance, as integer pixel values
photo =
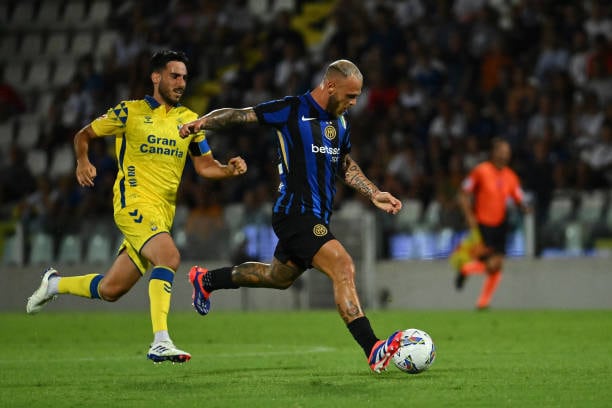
(333, 106)
(169, 96)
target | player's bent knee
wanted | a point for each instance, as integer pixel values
(344, 272)
(174, 261)
(111, 293)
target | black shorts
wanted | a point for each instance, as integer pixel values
(299, 238)
(494, 238)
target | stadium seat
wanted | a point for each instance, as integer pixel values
(42, 249)
(23, 14)
(14, 73)
(36, 160)
(7, 132)
(31, 45)
(74, 12)
(410, 215)
(283, 5)
(45, 99)
(561, 208)
(62, 163)
(106, 42)
(444, 243)
(591, 206)
(233, 216)
(70, 250)
(38, 75)
(98, 13)
(13, 251)
(28, 131)
(64, 72)
(82, 43)
(98, 249)
(8, 46)
(57, 44)
(260, 9)
(608, 218)
(350, 209)
(4, 12)
(432, 214)
(48, 13)
(574, 240)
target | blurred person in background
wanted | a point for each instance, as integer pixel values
(483, 199)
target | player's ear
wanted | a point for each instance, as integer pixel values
(331, 87)
(155, 77)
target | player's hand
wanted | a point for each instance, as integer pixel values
(85, 173)
(471, 221)
(387, 202)
(192, 127)
(237, 166)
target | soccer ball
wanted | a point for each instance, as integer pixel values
(417, 352)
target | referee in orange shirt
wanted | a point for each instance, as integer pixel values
(482, 198)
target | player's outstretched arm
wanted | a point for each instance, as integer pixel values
(208, 167)
(354, 177)
(218, 119)
(85, 171)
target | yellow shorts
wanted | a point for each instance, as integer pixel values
(139, 223)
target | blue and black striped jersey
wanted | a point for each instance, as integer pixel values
(311, 144)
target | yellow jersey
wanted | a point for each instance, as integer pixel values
(151, 154)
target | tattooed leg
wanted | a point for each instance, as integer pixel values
(261, 275)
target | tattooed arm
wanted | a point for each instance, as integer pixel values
(218, 119)
(354, 177)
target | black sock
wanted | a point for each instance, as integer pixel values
(219, 279)
(362, 332)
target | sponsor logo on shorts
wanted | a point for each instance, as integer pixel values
(319, 230)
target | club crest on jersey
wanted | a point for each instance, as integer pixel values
(330, 132)
(148, 120)
(319, 230)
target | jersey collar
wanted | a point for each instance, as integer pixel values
(321, 113)
(154, 104)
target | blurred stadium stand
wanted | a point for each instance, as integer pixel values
(70, 60)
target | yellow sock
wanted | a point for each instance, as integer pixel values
(160, 291)
(84, 285)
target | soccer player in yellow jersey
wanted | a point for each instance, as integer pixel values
(151, 156)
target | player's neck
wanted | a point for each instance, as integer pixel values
(320, 96)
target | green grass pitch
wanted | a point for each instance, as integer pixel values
(305, 359)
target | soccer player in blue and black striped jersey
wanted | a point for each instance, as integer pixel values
(313, 149)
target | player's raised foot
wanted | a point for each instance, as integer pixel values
(383, 350)
(459, 280)
(41, 296)
(200, 296)
(167, 351)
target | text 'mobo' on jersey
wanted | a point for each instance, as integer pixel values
(150, 153)
(311, 144)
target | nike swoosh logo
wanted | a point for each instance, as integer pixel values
(305, 119)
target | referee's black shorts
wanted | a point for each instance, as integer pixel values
(299, 238)
(494, 237)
